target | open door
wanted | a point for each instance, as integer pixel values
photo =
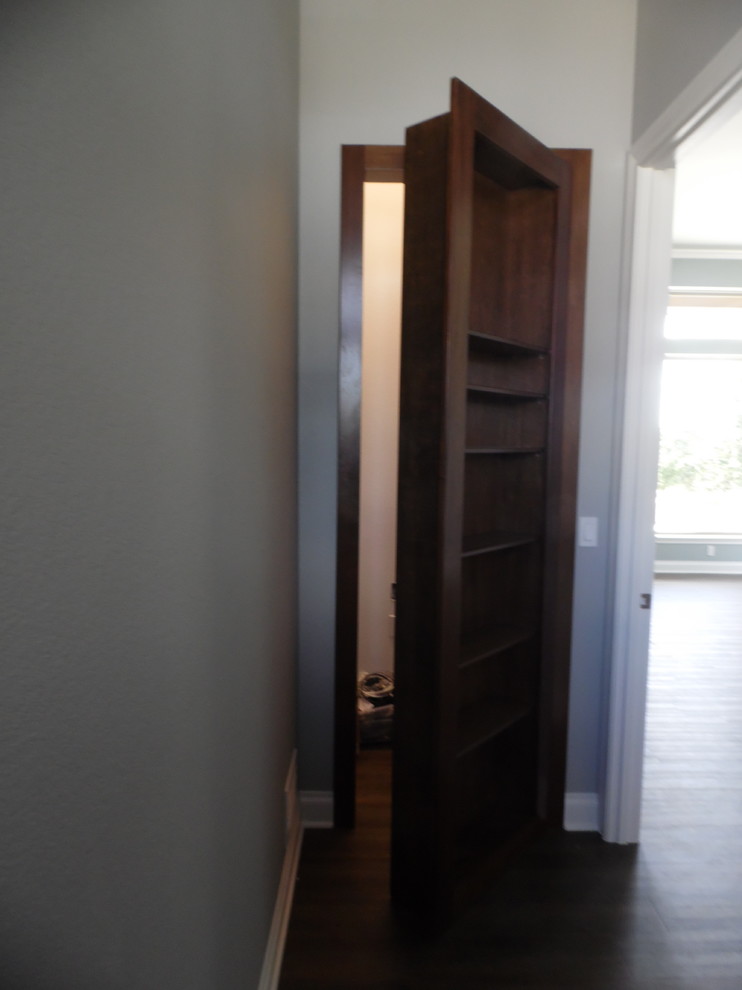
(495, 247)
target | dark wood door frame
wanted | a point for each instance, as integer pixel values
(360, 163)
(385, 163)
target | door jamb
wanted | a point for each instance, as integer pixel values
(712, 96)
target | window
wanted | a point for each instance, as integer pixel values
(700, 473)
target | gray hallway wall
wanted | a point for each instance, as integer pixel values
(147, 307)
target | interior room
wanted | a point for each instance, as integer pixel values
(171, 192)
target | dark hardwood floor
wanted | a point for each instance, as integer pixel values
(691, 838)
(573, 912)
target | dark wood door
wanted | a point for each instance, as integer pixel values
(492, 302)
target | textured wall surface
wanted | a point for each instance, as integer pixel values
(147, 218)
(564, 70)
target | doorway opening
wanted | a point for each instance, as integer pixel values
(712, 99)
(383, 228)
(371, 275)
(366, 171)
(495, 229)
(694, 705)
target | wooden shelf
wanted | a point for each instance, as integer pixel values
(505, 451)
(488, 445)
(481, 723)
(504, 394)
(494, 542)
(503, 346)
(489, 642)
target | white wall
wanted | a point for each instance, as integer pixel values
(147, 219)
(564, 70)
(675, 40)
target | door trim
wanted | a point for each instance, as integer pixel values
(381, 163)
(360, 163)
(711, 97)
(650, 277)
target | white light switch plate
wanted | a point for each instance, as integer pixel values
(587, 531)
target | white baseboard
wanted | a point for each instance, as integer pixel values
(581, 812)
(273, 958)
(317, 809)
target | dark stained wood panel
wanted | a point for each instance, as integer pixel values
(494, 486)
(529, 373)
(513, 262)
(418, 786)
(522, 428)
(349, 432)
(499, 346)
(489, 253)
(492, 640)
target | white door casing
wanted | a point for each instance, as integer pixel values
(650, 275)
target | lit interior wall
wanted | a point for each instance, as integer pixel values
(383, 208)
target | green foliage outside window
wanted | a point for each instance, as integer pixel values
(689, 461)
